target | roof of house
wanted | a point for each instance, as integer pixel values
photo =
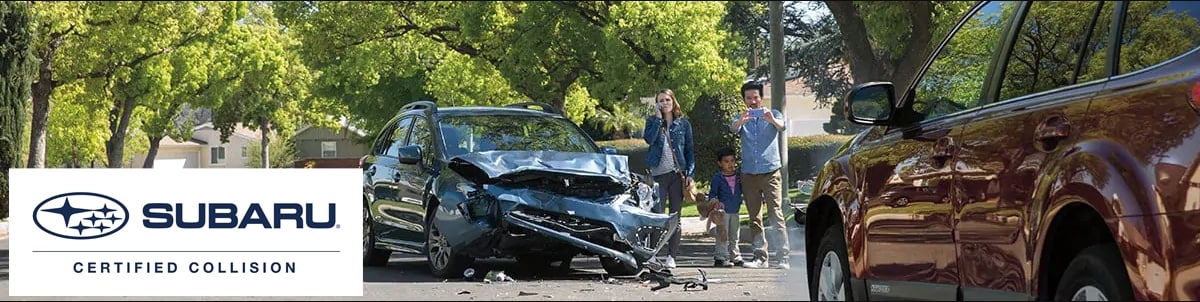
(345, 123)
(240, 130)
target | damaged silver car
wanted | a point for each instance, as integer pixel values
(464, 183)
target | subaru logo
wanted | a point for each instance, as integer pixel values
(80, 215)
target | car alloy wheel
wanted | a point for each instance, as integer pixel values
(439, 249)
(366, 232)
(1089, 293)
(830, 287)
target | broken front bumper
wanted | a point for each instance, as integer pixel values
(607, 226)
(644, 242)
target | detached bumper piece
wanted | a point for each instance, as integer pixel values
(664, 278)
(596, 237)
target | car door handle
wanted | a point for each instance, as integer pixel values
(1050, 132)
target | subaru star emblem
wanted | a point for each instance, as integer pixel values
(80, 215)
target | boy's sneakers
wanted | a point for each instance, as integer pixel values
(722, 263)
(738, 262)
(756, 263)
(670, 262)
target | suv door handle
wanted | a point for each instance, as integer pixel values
(1050, 132)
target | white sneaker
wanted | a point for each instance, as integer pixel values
(756, 263)
(670, 262)
(783, 265)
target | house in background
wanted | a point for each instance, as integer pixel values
(803, 116)
(205, 149)
(329, 148)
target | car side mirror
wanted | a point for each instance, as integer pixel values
(608, 150)
(870, 103)
(410, 155)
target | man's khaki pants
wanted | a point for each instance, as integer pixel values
(757, 189)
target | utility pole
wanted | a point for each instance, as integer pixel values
(778, 77)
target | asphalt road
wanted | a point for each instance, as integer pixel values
(407, 278)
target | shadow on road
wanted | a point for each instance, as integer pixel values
(695, 252)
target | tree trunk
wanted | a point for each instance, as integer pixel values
(118, 124)
(42, 89)
(266, 142)
(152, 152)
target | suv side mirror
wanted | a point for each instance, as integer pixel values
(410, 155)
(870, 103)
(608, 150)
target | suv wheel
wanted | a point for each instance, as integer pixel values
(443, 261)
(372, 256)
(1096, 274)
(831, 273)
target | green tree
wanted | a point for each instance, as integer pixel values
(518, 50)
(271, 90)
(16, 74)
(117, 49)
(283, 154)
(856, 42)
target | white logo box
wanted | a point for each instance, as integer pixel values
(46, 251)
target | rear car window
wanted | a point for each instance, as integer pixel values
(1157, 31)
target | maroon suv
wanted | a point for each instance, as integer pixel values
(1055, 149)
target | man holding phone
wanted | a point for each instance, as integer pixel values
(759, 130)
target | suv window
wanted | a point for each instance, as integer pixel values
(1157, 31)
(954, 80)
(398, 136)
(1047, 49)
(420, 137)
(514, 133)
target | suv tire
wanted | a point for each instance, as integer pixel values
(1096, 270)
(372, 256)
(833, 251)
(443, 261)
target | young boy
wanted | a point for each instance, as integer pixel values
(725, 193)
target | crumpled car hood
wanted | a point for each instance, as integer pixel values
(514, 166)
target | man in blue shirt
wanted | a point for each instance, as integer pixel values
(759, 130)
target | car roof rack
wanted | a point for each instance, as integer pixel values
(419, 105)
(545, 107)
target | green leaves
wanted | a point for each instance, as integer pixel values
(566, 54)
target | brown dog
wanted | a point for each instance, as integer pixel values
(713, 211)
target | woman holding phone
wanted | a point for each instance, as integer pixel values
(670, 158)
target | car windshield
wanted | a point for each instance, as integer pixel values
(466, 134)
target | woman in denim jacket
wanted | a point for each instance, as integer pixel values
(671, 167)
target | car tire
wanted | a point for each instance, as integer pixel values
(372, 256)
(614, 267)
(1097, 272)
(443, 261)
(831, 263)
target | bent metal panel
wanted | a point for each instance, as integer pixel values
(191, 232)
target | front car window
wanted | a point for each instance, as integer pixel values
(465, 134)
